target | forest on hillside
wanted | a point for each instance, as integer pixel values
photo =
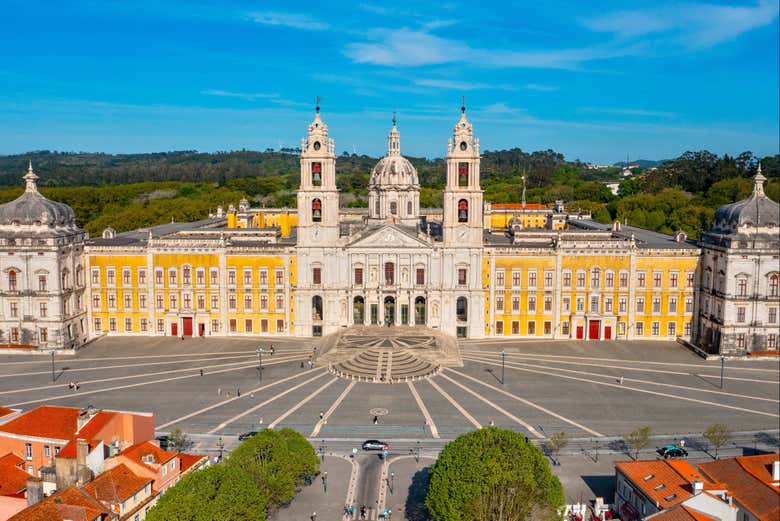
(133, 190)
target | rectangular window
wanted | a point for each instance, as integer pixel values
(594, 304)
(97, 324)
(44, 334)
(263, 302)
(499, 327)
(172, 277)
(609, 280)
(532, 279)
(566, 304)
(500, 280)
(580, 279)
(548, 279)
(128, 325)
(656, 329)
(462, 276)
(673, 276)
(623, 279)
(740, 314)
(687, 329)
(46, 451)
(359, 276)
(621, 328)
(566, 279)
(531, 304)
(279, 302)
(201, 302)
(142, 300)
(126, 277)
(112, 325)
(160, 301)
(771, 341)
(279, 278)
(14, 334)
(111, 301)
(186, 275)
(264, 325)
(656, 279)
(173, 301)
(671, 329)
(688, 279)
(232, 302)
(515, 278)
(741, 340)
(565, 328)
(656, 304)
(264, 278)
(688, 304)
(28, 452)
(531, 328)
(280, 326)
(772, 316)
(622, 304)
(640, 279)
(595, 278)
(420, 276)
(580, 305)
(215, 325)
(128, 301)
(548, 303)
(247, 278)
(214, 277)
(499, 303)
(41, 282)
(96, 277)
(247, 302)
(111, 277)
(515, 327)
(316, 276)
(231, 277)
(144, 325)
(160, 325)
(515, 304)
(640, 304)
(43, 309)
(214, 302)
(158, 277)
(547, 327)
(608, 305)
(672, 305)
(200, 278)
(640, 329)
(248, 325)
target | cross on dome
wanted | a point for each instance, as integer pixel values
(394, 139)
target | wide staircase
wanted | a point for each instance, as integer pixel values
(384, 365)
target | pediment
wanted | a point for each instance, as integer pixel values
(388, 237)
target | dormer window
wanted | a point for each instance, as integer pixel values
(659, 487)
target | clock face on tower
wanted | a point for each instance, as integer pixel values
(463, 145)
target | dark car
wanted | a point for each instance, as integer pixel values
(672, 451)
(163, 441)
(375, 445)
(246, 435)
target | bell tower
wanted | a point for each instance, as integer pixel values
(318, 197)
(463, 195)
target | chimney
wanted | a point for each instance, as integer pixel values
(34, 490)
(698, 486)
(776, 470)
(82, 449)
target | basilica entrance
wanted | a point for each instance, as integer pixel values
(389, 311)
(358, 311)
(419, 311)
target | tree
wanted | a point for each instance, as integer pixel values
(718, 434)
(638, 439)
(556, 443)
(216, 493)
(179, 441)
(481, 466)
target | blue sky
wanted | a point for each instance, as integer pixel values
(594, 81)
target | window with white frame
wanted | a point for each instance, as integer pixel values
(640, 304)
(500, 278)
(279, 278)
(671, 329)
(532, 279)
(499, 303)
(566, 279)
(609, 279)
(279, 302)
(548, 278)
(515, 304)
(622, 304)
(531, 304)
(672, 305)
(247, 278)
(263, 274)
(515, 278)
(656, 304)
(96, 277)
(655, 329)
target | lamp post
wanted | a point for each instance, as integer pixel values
(722, 364)
(220, 447)
(503, 363)
(392, 482)
(325, 482)
(418, 452)
(260, 352)
(52, 365)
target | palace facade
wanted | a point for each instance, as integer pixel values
(471, 270)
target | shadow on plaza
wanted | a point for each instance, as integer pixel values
(601, 486)
(415, 509)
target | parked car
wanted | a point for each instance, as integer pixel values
(672, 451)
(375, 445)
(246, 435)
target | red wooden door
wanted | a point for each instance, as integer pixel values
(580, 332)
(201, 329)
(174, 329)
(607, 332)
(593, 329)
(187, 326)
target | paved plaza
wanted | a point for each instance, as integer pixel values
(595, 391)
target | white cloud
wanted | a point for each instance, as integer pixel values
(629, 112)
(293, 20)
(451, 84)
(697, 25)
(249, 96)
(540, 87)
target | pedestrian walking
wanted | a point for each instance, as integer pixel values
(70, 385)
(238, 392)
(219, 391)
(301, 364)
(201, 372)
(313, 516)
(272, 349)
(76, 386)
(376, 420)
(322, 415)
(311, 364)
(620, 380)
(363, 511)
(682, 444)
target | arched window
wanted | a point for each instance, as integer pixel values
(358, 310)
(461, 309)
(316, 174)
(389, 273)
(463, 211)
(393, 208)
(419, 311)
(12, 280)
(316, 308)
(773, 285)
(376, 207)
(316, 210)
(409, 208)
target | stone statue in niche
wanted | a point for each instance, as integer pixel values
(343, 309)
(372, 276)
(435, 309)
(405, 275)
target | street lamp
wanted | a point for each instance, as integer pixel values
(503, 362)
(52, 365)
(418, 451)
(722, 364)
(259, 364)
(325, 482)
(392, 482)
(220, 447)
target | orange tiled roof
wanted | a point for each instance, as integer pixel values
(139, 450)
(680, 513)
(70, 504)
(5, 410)
(666, 482)
(115, 485)
(188, 460)
(87, 432)
(748, 479)
(12, 478)
(46, 421)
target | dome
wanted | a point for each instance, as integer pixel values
(394, 171)
(756, 211)
(33, 209)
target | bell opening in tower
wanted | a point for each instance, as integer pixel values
(316, 174)
(463, 211)
(316, 210)
(463, 174)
